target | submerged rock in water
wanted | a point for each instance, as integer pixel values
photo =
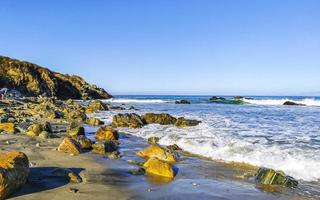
(106, 133)
(7, 127)
(74, 129)
(69, 145)
(96, 106)
(182, 102)
(33, 80)
(157, 151)
(158, 167)
(271, 177)
(161, 118)
(183, 122)
(94, 121)
(14, 171)
(104, 147)
(291, 103)
(127, 120)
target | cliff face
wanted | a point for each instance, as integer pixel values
(33, 80)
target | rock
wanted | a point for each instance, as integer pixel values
(116, 108)
(153, 140)
(182, 102)
(162, 118)
(290, 103)
(106, 133)
(75, 115)
(138, 172)
(74, 129)
(7, 127)
(96, 106)
(214, 98)
(182, 122)
(174, 147)
(44, 135)
(127, 120)
(94, 121)
(14, 171)
(85, 143)
(67, 173)
(158, 167)
(104, 147)
(156, 151)
(33, 80)
(271, 177)
(238, 98)
(35, 129)
(69, 145)
(114, 155)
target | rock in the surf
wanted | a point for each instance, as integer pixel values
(92, 121)
(106, 133)
(157, 151)
(85, 143)
(183, 122)
(104, 147)
(69, 145)
(96, 106)
(291, 103)
(183, 101)
(127, 120)
(158, 167)
(153, 140)
(271, 177)
(159, 118)
(14, 171)
(74, 129)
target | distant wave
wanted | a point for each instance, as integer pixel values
(136, 100)
(307, 101)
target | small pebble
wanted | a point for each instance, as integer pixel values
(7, 142)
(72, 154)
(73, 190)
(38, 145)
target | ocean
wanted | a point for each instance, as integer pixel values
(261, 131)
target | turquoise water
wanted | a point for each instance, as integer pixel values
(261, 132)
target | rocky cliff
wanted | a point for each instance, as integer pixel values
(33, 80)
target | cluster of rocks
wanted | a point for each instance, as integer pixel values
(133, 120)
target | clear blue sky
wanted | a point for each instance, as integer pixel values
(258, 47)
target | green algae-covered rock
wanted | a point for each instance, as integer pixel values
(96, 106)
(74, 129)
(161, 118)
(127, 120)
(104, 147)
(153, 140)
(271, 177)
(183, 122)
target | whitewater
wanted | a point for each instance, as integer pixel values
(261, 132)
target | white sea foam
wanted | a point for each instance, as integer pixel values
(114, 100)
(308, 101)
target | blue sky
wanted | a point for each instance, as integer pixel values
(269, 47)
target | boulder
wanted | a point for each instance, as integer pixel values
(75, 115)
(85, 143)
(14, 171)
(131, 120)
(161, 118)
(174, 147)
(74, 129)
(94, 121)
(44, 135)
(214, 98)
(106, 133)
(158, 167)
(291, 103)
(182, 102)
(96, 106)
(238, 98)
(35, 129)
(267, 176)
(182, 122)
(157, 151)
(7, 127)
(69, 145)
(104, 147)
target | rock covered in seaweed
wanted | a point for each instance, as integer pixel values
(159, 118)
(104, 147)
(33, 80)
(127, 120)
(183, 101)
(183, 122)
(96, 106)
(92, 121)
(74, 129)
(106, 133)
(271, 177)
(14, 171)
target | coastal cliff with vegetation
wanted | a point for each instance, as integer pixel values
(33, 80)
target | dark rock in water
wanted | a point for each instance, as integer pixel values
(238, 97)
(214, 98)
(153, 140)
(116, 108)
(182, 122)
(174, 147)
(161, 118)
(290, 103)
(127, 120)
(182, 102)
(32, 80)
(271, 177)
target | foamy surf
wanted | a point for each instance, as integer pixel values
(115, 100)
(275, 102)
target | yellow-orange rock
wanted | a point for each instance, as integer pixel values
(107, 133)
(158, 167)
(156, 151)
(69, 145)
(8, 127)
(14, 171)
